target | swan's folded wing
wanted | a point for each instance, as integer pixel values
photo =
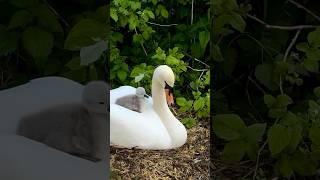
(120, 92)
(34, 96)
(124, 91)
(24, 159)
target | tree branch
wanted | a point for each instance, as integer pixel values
(288, 28)
(57, 14)
(293, 41)
(199, 70)
(162, 25)
(192, 12)
(305, 9)
(144, 49)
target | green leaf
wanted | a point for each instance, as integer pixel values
(20, 19)
(269, 100)
(278, 138)
(284, 166)
(237, 22)
(303, 164)
(283, 100)
(199, 104)
(255, 132)
(189, 122)
(74, 63)
(251, 150)
(277, 112)
(181, 101)
(164, 13)
(47, 19)
(217, 56)
(234, 151)
(314, 38)
(316, 91)
(204, 37)
(37, 42)
(122, 75)
(263, 73)
(228, 126)
(138, 78)
(302, 46)
(314, 135)
(8, 42)
(92, 53)
(311, 65)
(296, 135)
(85, 33)
(133, 22)
(170, 60)
(113, 14)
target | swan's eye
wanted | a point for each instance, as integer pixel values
(101, 103)
(169, 88)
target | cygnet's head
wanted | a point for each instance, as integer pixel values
(141, 92)
(95, 97)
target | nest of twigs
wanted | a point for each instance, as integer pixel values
(190, 161)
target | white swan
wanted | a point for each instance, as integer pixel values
(25, 159)
(156, 128)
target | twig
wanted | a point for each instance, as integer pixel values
(257, 85)
(197, 60)
(199, 70)
(250, 101)
(258, 159)
(201, 75)
(288, 28)
(291, 45)
(57, 14)
(235, 80)
(192, 12)
(162, 25)
(201, 62)
(293, 41)
(305, 9)
(144, 49)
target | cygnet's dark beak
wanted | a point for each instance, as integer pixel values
(169, 94)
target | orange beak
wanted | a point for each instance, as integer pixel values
(169, 97)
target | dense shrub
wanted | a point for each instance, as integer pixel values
(44, 38)
(266, 103)
(148, 33)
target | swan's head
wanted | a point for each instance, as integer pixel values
(164, 75)
(95, 97)
(141, 92)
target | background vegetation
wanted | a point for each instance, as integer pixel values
(45, 38)
(266, 94)
(149, 33)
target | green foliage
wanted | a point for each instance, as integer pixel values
(243, 139)
(46, 43)
(141, 40)
(259, 83)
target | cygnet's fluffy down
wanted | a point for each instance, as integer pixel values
(78, 129)
(134, 102)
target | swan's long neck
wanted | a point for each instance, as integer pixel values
(173, 126)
